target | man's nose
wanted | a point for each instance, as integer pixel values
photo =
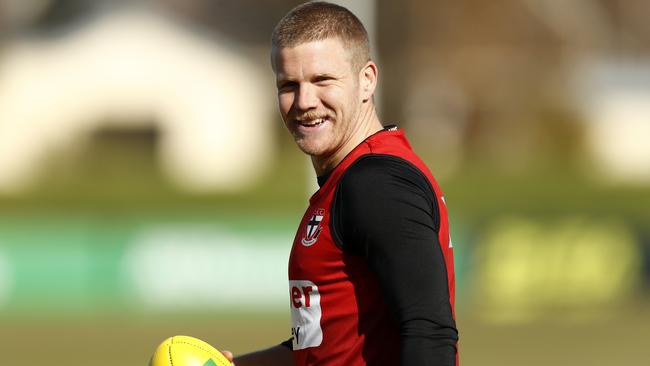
(306, 97)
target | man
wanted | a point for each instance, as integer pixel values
(371, 277)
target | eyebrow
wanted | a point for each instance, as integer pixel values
(281, 80)
(327, 75)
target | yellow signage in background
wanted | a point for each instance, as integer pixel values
(573, 267)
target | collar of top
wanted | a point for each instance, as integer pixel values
(388, 135)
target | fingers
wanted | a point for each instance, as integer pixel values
(229, 356)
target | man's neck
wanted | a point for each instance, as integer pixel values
(367, 125)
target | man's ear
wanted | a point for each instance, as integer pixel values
(368, 81)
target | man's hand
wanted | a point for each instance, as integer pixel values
(229, 356)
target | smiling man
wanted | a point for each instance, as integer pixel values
(325, 104)
(371, 276)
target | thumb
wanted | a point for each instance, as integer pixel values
(229, 356)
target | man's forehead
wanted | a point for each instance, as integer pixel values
(302, 42)
(328, 55)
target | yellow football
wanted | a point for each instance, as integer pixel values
(187, 351)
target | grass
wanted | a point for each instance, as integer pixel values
(619, 337)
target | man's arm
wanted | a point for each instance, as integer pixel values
(275, 356)
(386, 211)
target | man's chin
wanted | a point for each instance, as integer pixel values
(310, 149)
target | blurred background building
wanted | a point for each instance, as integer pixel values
(147, 185)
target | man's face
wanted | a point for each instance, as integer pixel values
(318, 95)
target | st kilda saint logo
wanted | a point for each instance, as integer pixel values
(313, 228)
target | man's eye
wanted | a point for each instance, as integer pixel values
(286, 86)
(324, 79)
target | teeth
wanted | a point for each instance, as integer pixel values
(313, 122)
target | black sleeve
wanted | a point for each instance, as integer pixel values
(385, 210)
(288, 343)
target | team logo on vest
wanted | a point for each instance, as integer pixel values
(313, 228)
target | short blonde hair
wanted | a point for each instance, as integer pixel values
(319, 20)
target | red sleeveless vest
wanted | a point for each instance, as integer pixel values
(339, 316)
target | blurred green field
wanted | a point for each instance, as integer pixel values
(619, 337)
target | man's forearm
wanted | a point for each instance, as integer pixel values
(275, 356)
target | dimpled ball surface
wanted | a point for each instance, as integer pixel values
(187, 351)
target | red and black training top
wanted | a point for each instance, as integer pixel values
(371, 271)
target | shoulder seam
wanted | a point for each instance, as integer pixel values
(338, 240)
